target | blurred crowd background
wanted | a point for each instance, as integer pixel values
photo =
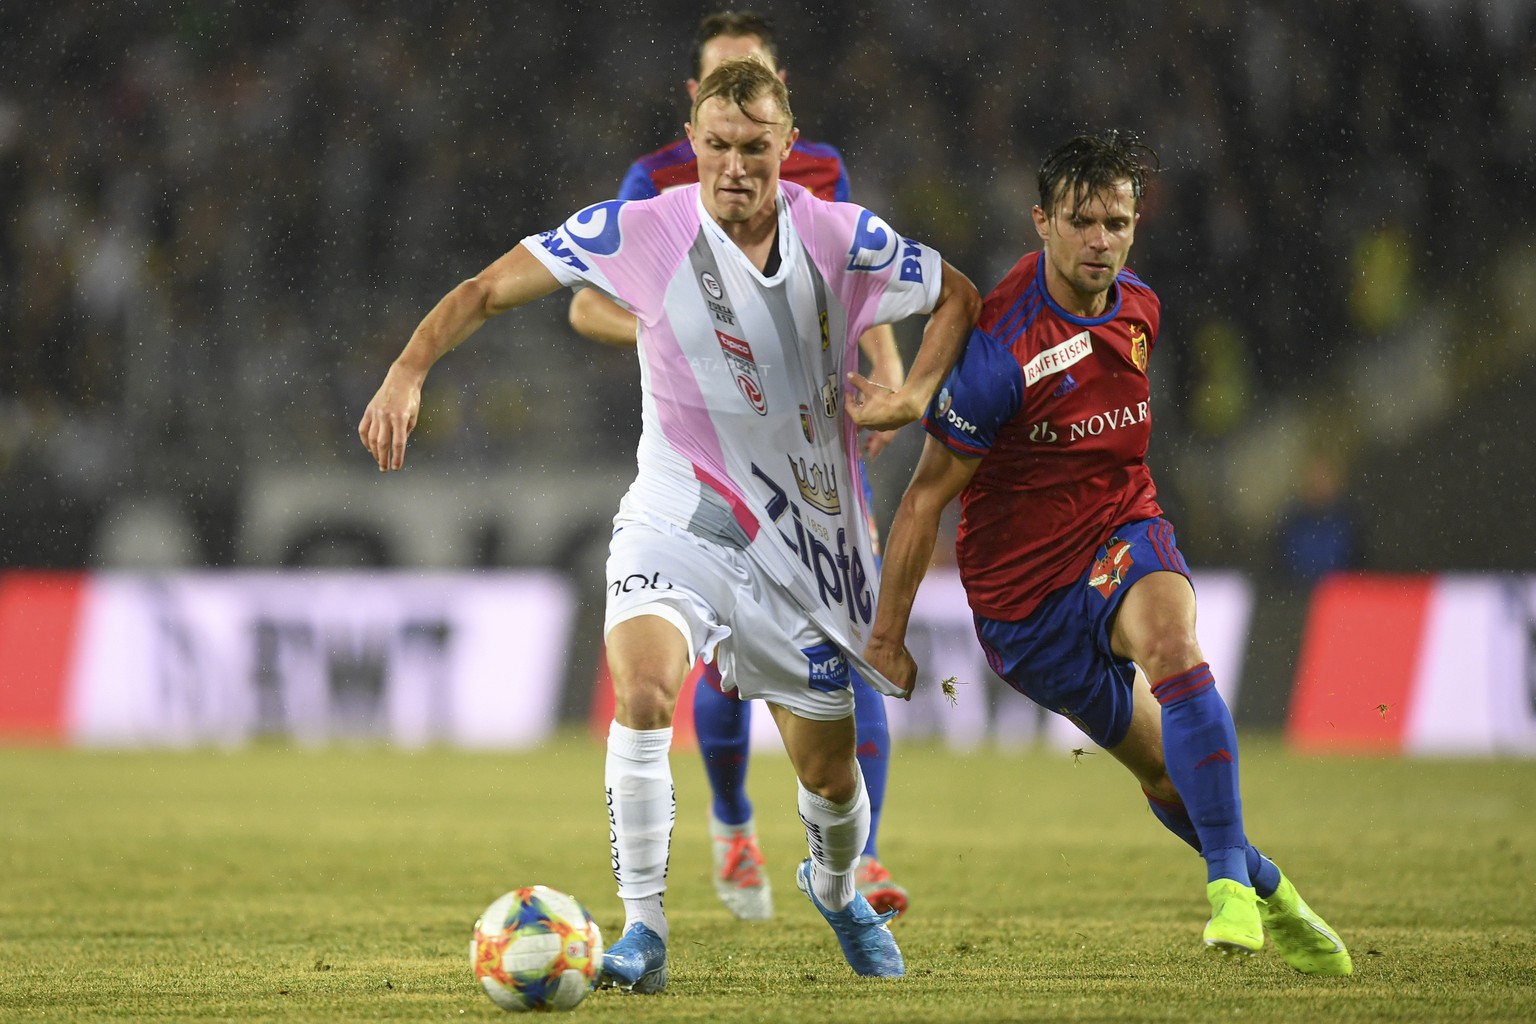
(221, 221)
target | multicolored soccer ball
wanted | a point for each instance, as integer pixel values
(536, 949)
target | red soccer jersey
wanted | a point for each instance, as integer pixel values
(1060, 407)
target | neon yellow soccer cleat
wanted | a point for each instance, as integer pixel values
(1300, 936)
(1234, 925)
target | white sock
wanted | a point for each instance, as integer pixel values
(836, 834)
(641, 809)
(646, 910)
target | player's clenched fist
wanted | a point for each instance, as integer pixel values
(390, 418)
(894, 662)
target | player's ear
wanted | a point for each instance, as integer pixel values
(693, 89)
(1040, 219)
(789, 142)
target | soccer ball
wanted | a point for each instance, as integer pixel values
(536, 949)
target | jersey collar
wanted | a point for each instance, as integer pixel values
(1111, 310)
(788, 253)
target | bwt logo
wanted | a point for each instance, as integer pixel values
(552, 241)
(596, 229)
(911, 261)
(875, 245)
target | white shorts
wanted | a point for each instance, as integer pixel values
(729, 612)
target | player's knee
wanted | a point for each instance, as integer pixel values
(1169, 652)
(834, 782)
(643, 700)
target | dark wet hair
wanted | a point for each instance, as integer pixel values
(1087, 165)
(741, 80)
(733, 24)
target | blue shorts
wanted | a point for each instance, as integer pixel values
(1059, 657)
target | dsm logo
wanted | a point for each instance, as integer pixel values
(945, 407)
(596, 229)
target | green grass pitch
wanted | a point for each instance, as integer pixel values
(341, 884)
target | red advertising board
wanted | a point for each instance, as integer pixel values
(1418, 665)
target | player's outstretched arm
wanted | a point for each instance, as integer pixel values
(939, 477)
(878, 407)
(596, 316)
(513, 280)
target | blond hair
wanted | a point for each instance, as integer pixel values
(740, 81)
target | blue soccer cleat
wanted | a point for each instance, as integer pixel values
(636, 963)
(867, 942)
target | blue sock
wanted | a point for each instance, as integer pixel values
(1175, 817)
(873, 751)
(723, 725)
(1200, 747)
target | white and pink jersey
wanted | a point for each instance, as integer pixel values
(745, 440)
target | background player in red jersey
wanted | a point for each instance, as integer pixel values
(1074, 576)
(722, 721)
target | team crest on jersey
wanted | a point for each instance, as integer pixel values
(829, 393)
(711, 285)
(807, 425)
(1139, 346)
(1109, 571)
(738, 356)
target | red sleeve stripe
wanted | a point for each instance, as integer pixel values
(949, 441)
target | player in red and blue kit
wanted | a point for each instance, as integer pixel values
(722, 722)
(1075, 578)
